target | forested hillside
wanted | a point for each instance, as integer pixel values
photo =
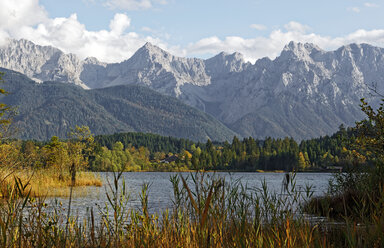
(51, 109)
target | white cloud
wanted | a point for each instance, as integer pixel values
(18, 13)
(354, 9)
(119, 24)
(160, 33)
(259, 27)
(68, 34)
(26, 19)
(271, 46)
(371, 5)
(162, 2)
(296, 27)
(133, 4)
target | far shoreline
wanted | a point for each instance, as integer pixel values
(229, 171)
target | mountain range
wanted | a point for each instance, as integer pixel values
(52, 109)
(305, 92)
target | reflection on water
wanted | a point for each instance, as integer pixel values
(160, 191)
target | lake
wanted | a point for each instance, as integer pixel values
(161, 192)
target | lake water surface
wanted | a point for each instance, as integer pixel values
(161, 192)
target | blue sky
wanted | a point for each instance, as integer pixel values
(112, 30)
(187, 21)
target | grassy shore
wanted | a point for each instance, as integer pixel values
(45, 182)
(207, 211)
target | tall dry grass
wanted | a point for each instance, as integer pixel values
(45, 182)
(207, 212)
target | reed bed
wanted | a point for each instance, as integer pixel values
(45, 182)
(207, 212)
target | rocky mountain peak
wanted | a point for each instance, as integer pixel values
(27, 45)
(151, 51)
(158, 69)
(303, 51)
(357, 51)
(93, 60)
(298, 46)
(149, 46)
(224, 63)
(148, 55)
(41, 63)
(228, 57)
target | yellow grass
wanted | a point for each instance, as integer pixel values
(46, 182)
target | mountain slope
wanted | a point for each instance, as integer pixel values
(305, 92)
(155, 68)
(52, 108)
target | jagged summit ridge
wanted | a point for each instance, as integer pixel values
(302, 51)
(298, 46)
(149, 48)
(224, 63)
(156, 68)
(42, 63)
(304, 92)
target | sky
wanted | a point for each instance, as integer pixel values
(112, 30)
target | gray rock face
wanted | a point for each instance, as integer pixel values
(42, 63)
(305, 92)
(155, 68)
